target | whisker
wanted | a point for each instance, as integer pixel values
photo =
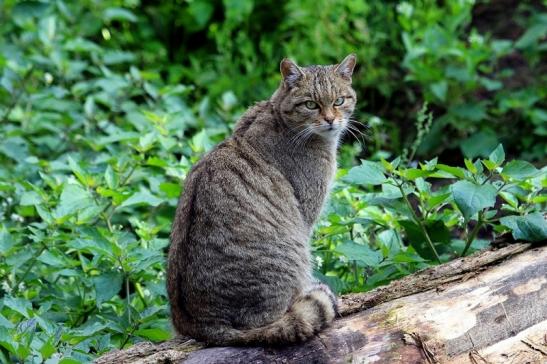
(361, 144)
(300, 138)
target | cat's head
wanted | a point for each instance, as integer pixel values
(317, 99)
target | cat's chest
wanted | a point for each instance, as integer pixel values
(311, 177)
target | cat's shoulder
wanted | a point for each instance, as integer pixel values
(261, 109)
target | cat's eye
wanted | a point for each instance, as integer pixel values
(339, 101)
(311, 105)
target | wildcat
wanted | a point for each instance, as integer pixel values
(239, 269)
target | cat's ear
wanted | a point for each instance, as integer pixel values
(290, 72)
(345, 68)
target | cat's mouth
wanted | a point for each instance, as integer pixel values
(330, 130)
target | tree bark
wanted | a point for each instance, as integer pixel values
(490, 307)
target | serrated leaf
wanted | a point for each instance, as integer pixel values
(471, 198)
(107, 286)
(119, 14)
(455, 171)
(489, 164)
(435, 200)
(142, 198)
(78, 171)
(470, 166)
(519, 170)
(531, 227)
(110, 177)
(510, 198)
(155, 335)
(172, 190)
(368, 173)
(439, 89)
(19, 305)
(30, 198)
(47, 350)
(6, 240)
(73, 198)
(359, 252)
(497, 156)
(413, 173)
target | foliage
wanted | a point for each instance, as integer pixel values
(388, 219)
(102, 114)
(485, 82)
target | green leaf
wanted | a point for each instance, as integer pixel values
(81, 45)
(368, 173)
(478, 244)
(436, 199)
(73, 198)
(335, 283)
(155, 335)
(6, 240)
(471, 198)
(359, 252)
(455, 171)
(119, 14)
(469, 111)
(26, 9)
(510, 198)
(519, 170)
(470, 166)
(19, 305)
(202, 11)
(497, 156)
(66, 360)
(30, 198)
(532, 35)
(110, 177)
(532, 227)
(437, 231)
(479, 144)
(47, 350)
(439, 89)
(489, 164)
(413, 173)
(107, 285)
(142, 198)
(172, 190)
(78, 171)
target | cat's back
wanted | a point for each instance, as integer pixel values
(235, 181)
(233, 192)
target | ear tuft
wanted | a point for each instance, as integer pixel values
(290, 72)
(345, 68)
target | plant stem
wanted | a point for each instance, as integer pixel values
(128, 298)
(420, 223)
(473, 234)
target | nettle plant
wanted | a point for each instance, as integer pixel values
(388, 219)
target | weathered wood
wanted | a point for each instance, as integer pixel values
(431, 278)
(486, 308)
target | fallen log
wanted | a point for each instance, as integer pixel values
(490, 307)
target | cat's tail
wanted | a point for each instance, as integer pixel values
(309, 314)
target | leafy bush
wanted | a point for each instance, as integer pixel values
(388, 219)
(485, 84)
(97, 133)
(461, 71)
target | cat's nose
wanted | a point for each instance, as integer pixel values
(329, 119)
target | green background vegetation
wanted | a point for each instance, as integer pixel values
(105, 105)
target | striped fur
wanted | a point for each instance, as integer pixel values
(239, 267)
